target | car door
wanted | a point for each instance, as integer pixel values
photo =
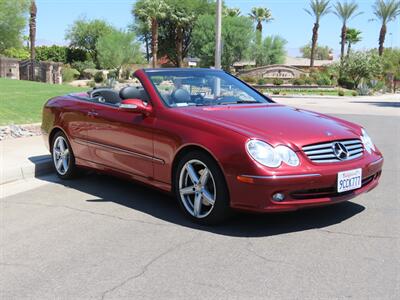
(121, 140)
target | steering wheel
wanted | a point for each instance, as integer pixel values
(198, 98)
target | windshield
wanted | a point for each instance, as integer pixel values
(202, 88)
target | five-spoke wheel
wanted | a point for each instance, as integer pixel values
(63, 157)
(200, 188)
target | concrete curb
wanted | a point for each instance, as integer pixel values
(41, 166)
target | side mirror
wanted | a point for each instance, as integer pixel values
(136, 105)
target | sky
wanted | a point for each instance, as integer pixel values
(290, 21)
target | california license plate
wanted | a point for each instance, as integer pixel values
(349, 180)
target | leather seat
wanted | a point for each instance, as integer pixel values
(134, 92)
(108, 95)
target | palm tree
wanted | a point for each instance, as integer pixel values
(260, 15)
(32, 37)
(153, 11)
(318, 9)
(232, 12)
(181, 20)
(345, 11)
(385, 11)
(353, 36)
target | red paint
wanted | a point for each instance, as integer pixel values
(142, 144)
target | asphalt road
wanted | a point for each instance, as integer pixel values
(100, 237)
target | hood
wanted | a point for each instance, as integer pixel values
(277, 124)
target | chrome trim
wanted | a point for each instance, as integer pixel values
(282, 176)
(325, 152)
(116, 149)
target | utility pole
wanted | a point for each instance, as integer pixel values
(218, 25)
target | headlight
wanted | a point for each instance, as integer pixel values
(288, 156)
(367, 141)
(268, 156)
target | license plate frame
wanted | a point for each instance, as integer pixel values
(349, 180)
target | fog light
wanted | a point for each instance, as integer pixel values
(278, 197)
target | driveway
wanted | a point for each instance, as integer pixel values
(104, 238)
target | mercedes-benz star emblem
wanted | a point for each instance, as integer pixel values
(340, 151)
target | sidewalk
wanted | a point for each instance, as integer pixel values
(23, 158)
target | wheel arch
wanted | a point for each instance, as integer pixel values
(189, 148)
(53, 132)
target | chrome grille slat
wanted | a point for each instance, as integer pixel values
(323, 153)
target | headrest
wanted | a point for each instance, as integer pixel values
(180, 96)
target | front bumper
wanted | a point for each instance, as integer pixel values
(309, 189)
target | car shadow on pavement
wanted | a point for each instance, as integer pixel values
(163, 206)
(379, 103)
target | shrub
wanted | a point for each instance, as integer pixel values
(346, 83)
(354, 93)
(89, 73)
(340, 93)
(83, 65)
(113, 74)
(323, 80)
(276, 92)
(262, 81)
(248, 79)
(99, 77)
(69, 74)
(308, 80)
(363, 90)
(277, 81)
(298, 81)
(91, 84)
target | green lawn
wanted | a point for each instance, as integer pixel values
(21, 101)
(327, 92)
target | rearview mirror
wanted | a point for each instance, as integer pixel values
(135, 105)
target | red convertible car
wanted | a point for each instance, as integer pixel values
(213, 141)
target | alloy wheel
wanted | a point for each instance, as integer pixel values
(197, 188)
(61, 155)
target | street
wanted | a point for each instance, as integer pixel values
(105, 238)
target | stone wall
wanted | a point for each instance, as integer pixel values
(274, 71)
(9, 68)
(49, 72)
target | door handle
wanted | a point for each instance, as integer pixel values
(93, 113)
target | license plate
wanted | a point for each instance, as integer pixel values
(349, 180)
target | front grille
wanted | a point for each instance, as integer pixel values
(323, 153)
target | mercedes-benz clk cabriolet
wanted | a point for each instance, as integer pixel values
(212, 140)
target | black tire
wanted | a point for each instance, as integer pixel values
(220, 210)
(72, 170)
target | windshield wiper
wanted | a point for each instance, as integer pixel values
(236, 102)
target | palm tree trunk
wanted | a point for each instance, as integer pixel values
(179, 47)
(146, 40)
(382, 36)
(259, 26)
(343, 43)
(154, 41)
(314, 43)
(348, 49)
(32, 37)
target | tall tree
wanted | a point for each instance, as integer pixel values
(232, 12)
(321, 52)
(318, 9)
(175, 35)
(260, 15)
(154, 11)
(385, 11)
(12, 23)
(353, 36)
(345, 12)
(237, 34)
(32, 37)
(84, 34)
(127, 52)
(142, 29)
